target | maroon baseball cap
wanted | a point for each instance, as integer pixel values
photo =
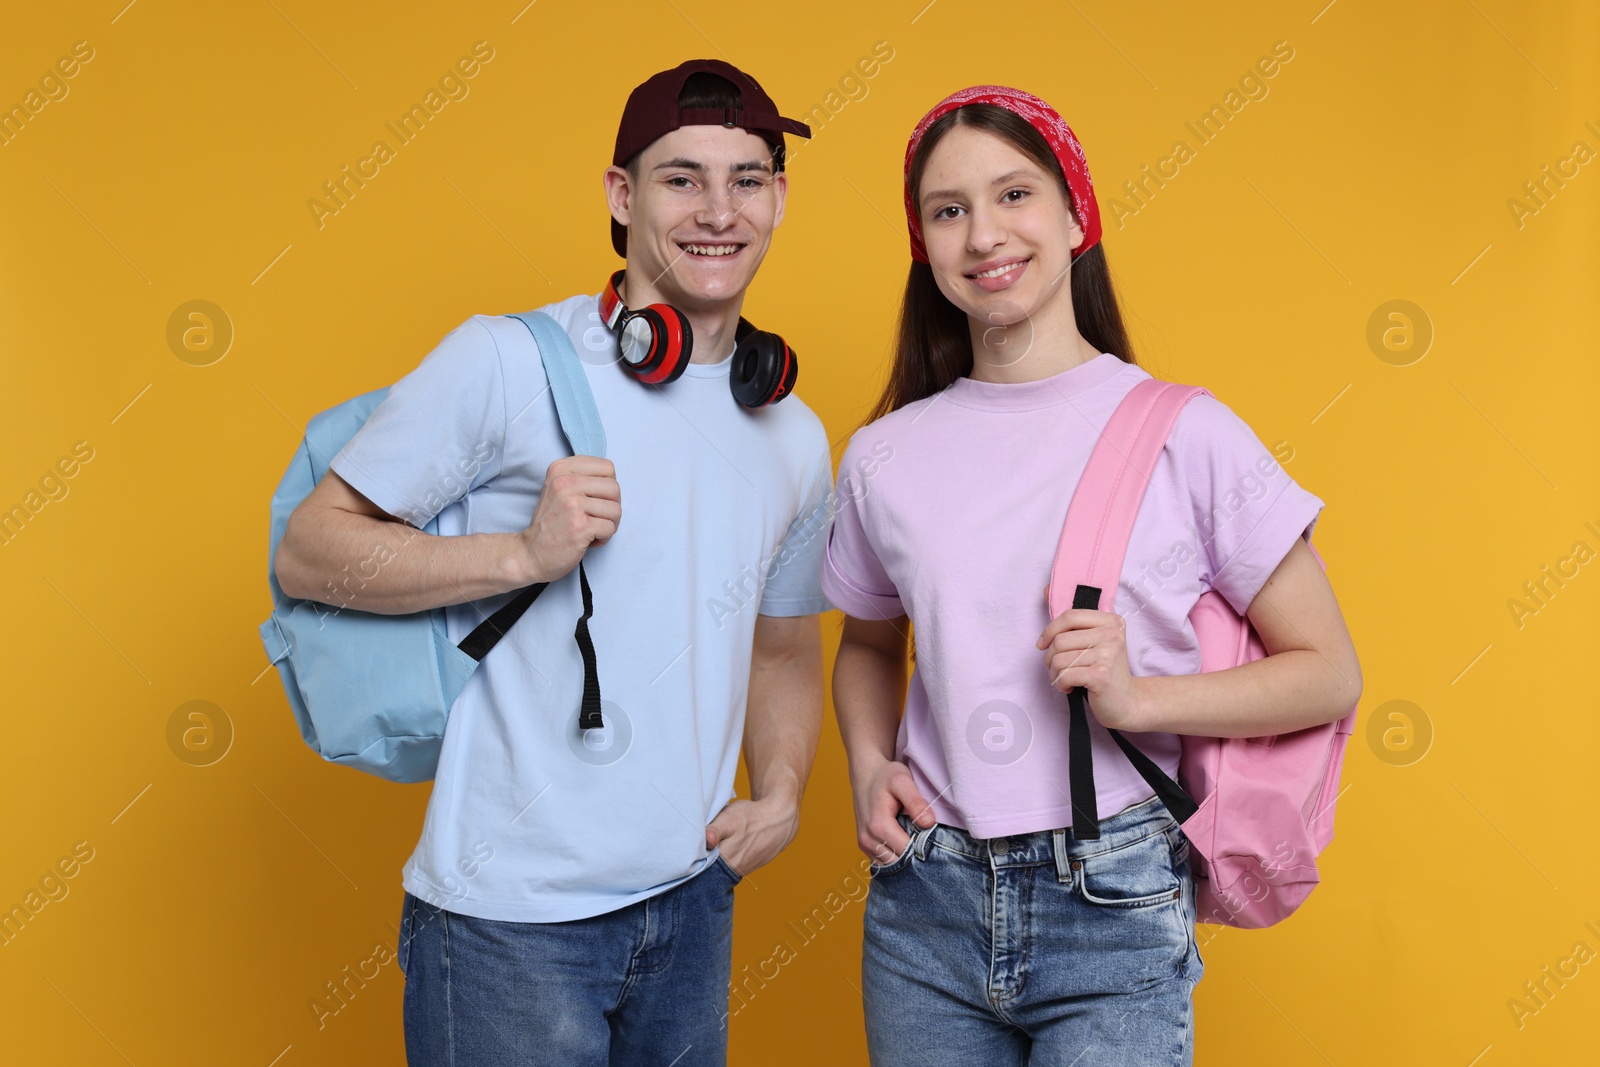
(652, 111)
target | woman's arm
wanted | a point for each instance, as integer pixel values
(869, 689)
(1310, 675)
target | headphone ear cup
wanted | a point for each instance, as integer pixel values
(764, 369)
(671, 342)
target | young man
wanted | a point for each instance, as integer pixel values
(570, 900)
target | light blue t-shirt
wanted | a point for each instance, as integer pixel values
(724, 515)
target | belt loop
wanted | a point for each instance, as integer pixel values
(921, 839)
(1063, 861)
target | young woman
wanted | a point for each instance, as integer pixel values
(993, 935)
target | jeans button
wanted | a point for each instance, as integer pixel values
(1000, 846)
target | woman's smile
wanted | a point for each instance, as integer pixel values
(999, 274)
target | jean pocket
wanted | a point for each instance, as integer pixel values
(1138, 875)
(902, 861)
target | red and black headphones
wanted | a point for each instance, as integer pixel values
(657, 342)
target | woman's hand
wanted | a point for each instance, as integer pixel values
(1089, 648)
(880, 792)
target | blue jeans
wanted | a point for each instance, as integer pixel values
(1036, 949)
(646, 984)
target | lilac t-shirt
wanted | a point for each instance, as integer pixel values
(949, 513)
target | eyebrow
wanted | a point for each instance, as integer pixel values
(682, 163)
(1007, 177)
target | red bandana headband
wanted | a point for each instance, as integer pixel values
(1042, 117)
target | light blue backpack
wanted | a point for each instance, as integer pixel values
(374, 691)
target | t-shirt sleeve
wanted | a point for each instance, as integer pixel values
(1247, 508)
(853, 577)
(439, 432)
(791, 586)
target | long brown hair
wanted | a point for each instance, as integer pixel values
(933, 343)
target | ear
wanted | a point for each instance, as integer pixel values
(619, 194)
(1075, 234)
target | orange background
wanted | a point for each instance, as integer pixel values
(1378, 166)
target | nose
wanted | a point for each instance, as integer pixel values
(984, 230)
(717, 210)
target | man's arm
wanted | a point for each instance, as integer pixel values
(782, 720)
(341, 548)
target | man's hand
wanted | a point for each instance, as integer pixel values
(881, 793)
(753, 832)
(1088, 648)
(580, 505)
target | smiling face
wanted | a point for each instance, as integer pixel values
(997, 228)
(700, 205)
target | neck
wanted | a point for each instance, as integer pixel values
(714, 323)
(1038, 345)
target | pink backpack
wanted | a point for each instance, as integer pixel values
(1257, 810)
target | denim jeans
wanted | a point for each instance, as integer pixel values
(646, 984)
(1035, 949)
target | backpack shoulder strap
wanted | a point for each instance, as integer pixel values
(569, 384)
(1094, 540)
(1088, 565)
(580, 422)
